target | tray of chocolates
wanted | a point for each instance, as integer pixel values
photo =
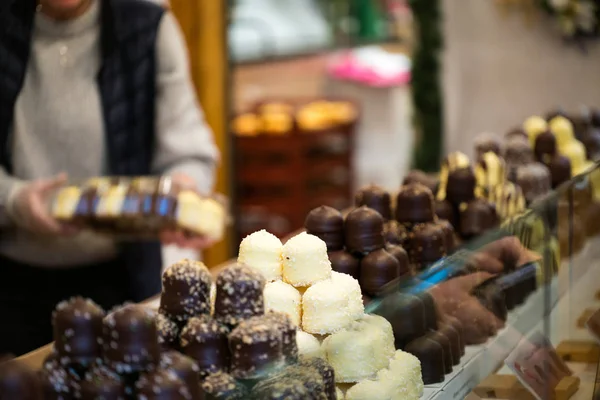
(140, 207)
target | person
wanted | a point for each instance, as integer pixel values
(87, 88)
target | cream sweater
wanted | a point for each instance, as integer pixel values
(58, 127)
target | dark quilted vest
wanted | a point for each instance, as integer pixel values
(127, 85)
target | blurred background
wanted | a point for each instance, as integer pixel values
(311, 99)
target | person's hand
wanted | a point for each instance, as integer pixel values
(177, 237)
(30, 206)
(454, 298)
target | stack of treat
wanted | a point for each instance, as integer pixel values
(328, 307)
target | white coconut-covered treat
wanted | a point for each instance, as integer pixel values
(305, 260)
(357, 304)
(308, 345)
(360, 351)
(262, 251)
(330, 305)
(283, 297)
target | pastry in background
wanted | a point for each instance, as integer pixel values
(486, 142)
(452, 162)
(517, 152)
(427, 244)
(418, 176)
(535, 181)
(477, 217)
(545, 147)
(508, 200)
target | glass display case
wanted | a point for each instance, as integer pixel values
(526, 295)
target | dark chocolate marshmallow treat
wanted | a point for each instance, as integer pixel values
(414, 204)
(376, 270)
(185, 369)
(205, 341)
(431, 355)
(395, 233)
(363, 230)
(130, 339)
(327, 224)
(102, 383)
(289, 346)
(545, 147)
(446, 345)
(239, 295)
(427, 244)
(256, 348)
(161, 385)
(77, 324)
(280, 389)
(325, 370)
(454, 338)
(376, 198)
(186, 291)
(310, 377)
(168, 332)
(346, 263)
(58, 382)
(402, 256)
(461, 186)
(222, 386)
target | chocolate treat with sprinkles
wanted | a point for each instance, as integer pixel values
(325, 370)
(256, 348)
(280, 389)
(168, 333)
(186, 291)
(161, 385)
(395, 233)
(130, 339)
(310, 378)
(204, 340)
(363, 230)
(17, 381)
(222, 386)
(239, 295)
(58, 382)
(77, 324)
(185, 369)
(427, 245)
(446, 211)
(289, 346)
(102, 383)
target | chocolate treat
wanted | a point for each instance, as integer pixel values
(405, 313)
(518, 152)
(545, 147)
(376, 270)
(239, 294)
(289, 346)
(327, 224)
(168, 333)
(311, 379)
(592, 219)
(492, 297)
(186, 291)
(222, 386)
(58, 382)
(560, 170)
(446, 346)
(535, 181)
(455, 343)
(449, 239)
(427, 244)
(477, 217)
(461, 185)
(458, 327)
(485, 143)
(431, 355)
(280, 389)
(344, 262)
(516, 133)
(429, 310)
(414, 204)
(102, 383)
(326, 372)
(161, 385)
(185, 369)
(363, 230)
(402, 256)
(376, 198)
(77, 327)
(395, 233)
(517, 285)
(130, 339)
(445, 210)
(591, 141)
(17, 381)
(423, 178)
(205, 341)
(256, 348)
